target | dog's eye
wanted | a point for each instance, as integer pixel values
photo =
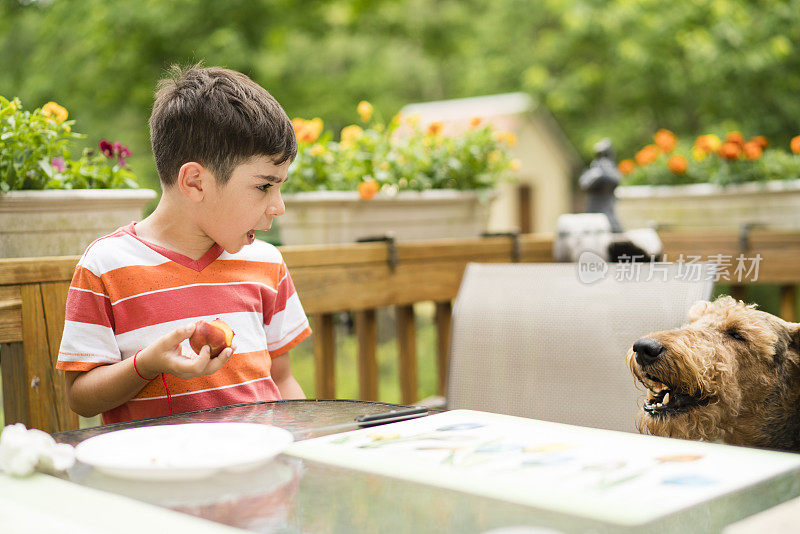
(734, 334)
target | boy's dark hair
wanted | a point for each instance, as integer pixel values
(219, 118)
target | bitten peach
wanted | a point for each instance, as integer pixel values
(216, 334)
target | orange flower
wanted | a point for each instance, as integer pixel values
(316, 150)
(368, 189)
(626, 166)
(53, 110)
(708, 143)
(677, 164)
(307, 131)
(646, 155)
(752, 150)
(435, 128)
(365, 110)
(350, 134)
(665, 140)
(730, 151)
(795, 144)
(735, 137)
(474, 122)
(761, 141)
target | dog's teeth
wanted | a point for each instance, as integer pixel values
(666, 399)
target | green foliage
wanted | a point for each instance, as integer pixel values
(616, 68)
(397, 156)
(35, 153)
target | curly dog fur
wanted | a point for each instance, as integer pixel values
(731, 374)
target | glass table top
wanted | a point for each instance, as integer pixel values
(292, 495)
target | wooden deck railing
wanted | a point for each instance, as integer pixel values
(360, 278)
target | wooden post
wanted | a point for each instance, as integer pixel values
(444, 313)
(789, 303)
(524, 203)
(406, 339)
(43, 310)
(367, 334)
(15, 398)
(324, 356)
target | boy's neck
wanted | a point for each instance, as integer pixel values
(172, 226)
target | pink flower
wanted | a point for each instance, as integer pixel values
(106, 148)
(58, 164)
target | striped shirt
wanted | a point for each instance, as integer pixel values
(126, 293)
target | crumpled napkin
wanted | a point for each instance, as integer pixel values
(23, 451)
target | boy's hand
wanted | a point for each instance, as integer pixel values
(165, 356)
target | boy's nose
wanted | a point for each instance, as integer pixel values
(276, 207)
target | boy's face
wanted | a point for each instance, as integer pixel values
(248, 202)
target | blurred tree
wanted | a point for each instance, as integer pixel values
(617, 68)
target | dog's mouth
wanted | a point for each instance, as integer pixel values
(664, 400)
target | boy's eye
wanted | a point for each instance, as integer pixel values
(264, 187)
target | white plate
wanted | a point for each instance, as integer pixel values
(181, 452)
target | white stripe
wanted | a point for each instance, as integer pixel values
(289, 337)
(195, 285)
(284, 322)
(203, 390)
(111, 253)
(248, 328)
(257, 251)
(88, 343)
(90, 291)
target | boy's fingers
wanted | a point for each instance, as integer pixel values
(194, 364)
(177, 335)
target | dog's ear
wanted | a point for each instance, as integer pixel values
(794, 337)
(698, 309)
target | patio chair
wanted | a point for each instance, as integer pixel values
(535, 341)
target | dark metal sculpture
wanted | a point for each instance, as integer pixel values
(599, 181)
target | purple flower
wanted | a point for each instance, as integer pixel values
(107, 149)
(58, 164)
(122, 152)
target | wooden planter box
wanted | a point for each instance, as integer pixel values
(64, 222)
(326, 217)
(775, 204)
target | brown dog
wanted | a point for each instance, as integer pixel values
(731, 374)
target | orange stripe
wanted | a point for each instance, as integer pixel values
(77, 366)
(86, 279)
(242, 367)
(137, 279)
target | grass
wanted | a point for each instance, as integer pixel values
(387, 354)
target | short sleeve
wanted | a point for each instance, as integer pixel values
(288, 324)
(88, 340)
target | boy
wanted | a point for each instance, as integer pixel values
(222, 147)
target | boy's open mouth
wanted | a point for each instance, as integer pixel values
(251, 235)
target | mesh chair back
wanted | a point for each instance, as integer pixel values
(533, 340)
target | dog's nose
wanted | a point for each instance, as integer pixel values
(647, 351)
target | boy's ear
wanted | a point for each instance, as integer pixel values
(193, 180)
